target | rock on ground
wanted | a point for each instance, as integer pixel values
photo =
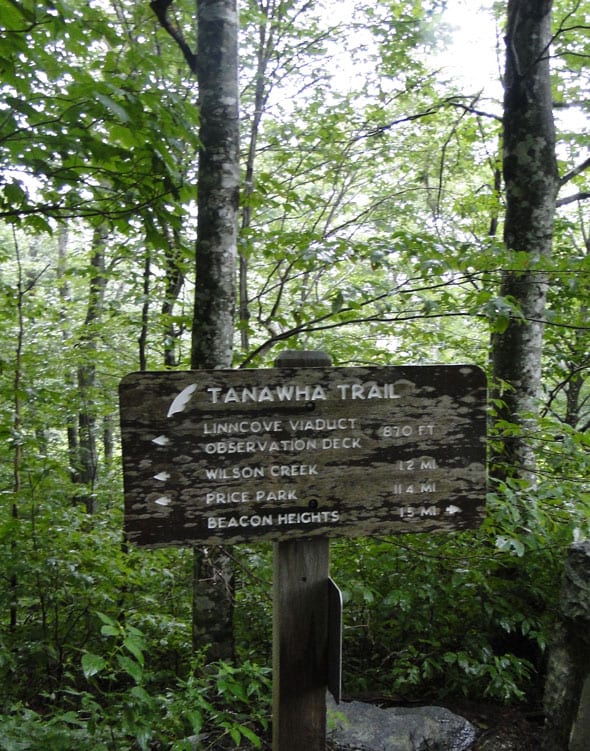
(356, 726)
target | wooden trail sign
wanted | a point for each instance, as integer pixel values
(228, 456)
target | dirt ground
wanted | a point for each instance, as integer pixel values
(502, 728)
(499, 727)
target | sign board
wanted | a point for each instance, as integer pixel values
(228, 456)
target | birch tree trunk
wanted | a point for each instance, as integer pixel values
(216, 66)
(218, 184)
(531, 180)
(215, 291)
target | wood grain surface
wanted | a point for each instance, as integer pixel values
(228, 456)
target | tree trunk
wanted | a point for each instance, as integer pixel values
(531, 180)
(568, 666)
(218, 184)
(265, 50)
(212, 335)
(173, 281)
(64, 296)
(145, 310)
(87, 464)
(215, 291)
(17, 456)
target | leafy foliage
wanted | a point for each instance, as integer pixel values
(371, 229)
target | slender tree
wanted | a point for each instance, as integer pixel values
(531, 184)
(216, 67)
(87, 464)
(215, 291)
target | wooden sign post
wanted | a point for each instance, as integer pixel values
(300, 644)
(296, 454)
(301, 612)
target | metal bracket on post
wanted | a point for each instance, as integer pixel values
(334, 640)
(301, 625)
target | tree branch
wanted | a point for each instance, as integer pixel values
(323, 323)
(571, 199)
(473, 110)
(574, 172)
(570, 105)
(160, 8)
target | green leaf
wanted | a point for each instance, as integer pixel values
(195, 720)
(235, 733)
(15, 195)
(109, 627)
(106, 619)
(135, 646)
(251, 736)
(114, 107)
(337, 302)
(92, 664)
(131, 667)
(110, 630)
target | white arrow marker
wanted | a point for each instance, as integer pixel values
(452, 510)
(161, 440)
(182, 400)
(163, 476)
(163, 500)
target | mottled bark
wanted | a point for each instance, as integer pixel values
(215, 288)
(218, 184)
(216, 66)
(173, 283)
(145, 311)
(213, 603)
(531, 181)
(569, 657)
